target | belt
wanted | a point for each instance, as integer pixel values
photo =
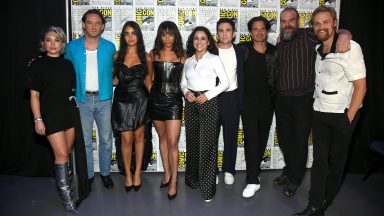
(93, 93)
(197, 93)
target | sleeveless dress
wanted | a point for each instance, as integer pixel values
(129, 107)
(54, 78)
(166, 98)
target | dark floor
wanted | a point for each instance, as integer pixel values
(38, 196)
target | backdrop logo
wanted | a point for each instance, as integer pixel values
(289, 3)
(220, 155)
(211, 3)
(166, 2)
(76, 35)
(80, 2)
(123, 2)
(187, 19)
(245, 38)
(231, 14)
(240, 137)
(182, 157)
(145, 17)
(107, 13)
(275, 139)
(271, 16)
(305, 19)
(249, 3)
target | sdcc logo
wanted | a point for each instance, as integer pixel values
(245, 38)
(208, 2)
(145, 18)
(80, 2)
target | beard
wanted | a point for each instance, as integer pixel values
(288, 33)
(323, 36)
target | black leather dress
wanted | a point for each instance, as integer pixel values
(166, 98)
(129, 107)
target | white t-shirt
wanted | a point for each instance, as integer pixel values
(228, 57)
(91, 74)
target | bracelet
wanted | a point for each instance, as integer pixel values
(37, 119)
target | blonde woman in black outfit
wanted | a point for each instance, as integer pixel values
(51, 81)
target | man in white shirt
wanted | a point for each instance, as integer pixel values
(230, 100)
(92, 58)
(339, 92)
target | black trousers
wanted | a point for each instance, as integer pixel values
(256, 131)
(293, 124)
(332, 134)
(229, 118)
(202, 134)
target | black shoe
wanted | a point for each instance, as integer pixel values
(163, 185)
(326, 203)
(128, 188)
(90, 180)
(136, 187)
(310, 211)
(171, 197)
(107, 181)
(289, 189)
(280, 180)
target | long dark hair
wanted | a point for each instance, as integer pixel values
(170, 28)
(211, 47)
(123, 46)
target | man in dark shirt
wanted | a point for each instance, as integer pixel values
(295, 86)
(258, 88)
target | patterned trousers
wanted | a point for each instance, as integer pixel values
(202, 133)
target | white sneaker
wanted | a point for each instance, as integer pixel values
(217, 179)
(208, 200)
(250, 190)
(228, 178)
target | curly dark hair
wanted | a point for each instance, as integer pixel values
(123, 46)
(169, 27)
(212, 44)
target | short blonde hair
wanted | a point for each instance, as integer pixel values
(323, 8)
(58, 32)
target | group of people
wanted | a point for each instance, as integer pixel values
(313, 78)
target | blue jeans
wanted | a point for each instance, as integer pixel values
(100, 111)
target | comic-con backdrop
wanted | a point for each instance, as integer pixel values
(188, 14)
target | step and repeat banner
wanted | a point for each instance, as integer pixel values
(188, 14)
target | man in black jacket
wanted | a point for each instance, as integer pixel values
(230, 101)
(258, 90)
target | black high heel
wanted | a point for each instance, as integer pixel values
(163, 185)
(128, 188)
(136, 187)
(171, 197)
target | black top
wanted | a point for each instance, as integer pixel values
(297, 62)
(257, 91)
(166, 97)
(54, 79)
(129, 107)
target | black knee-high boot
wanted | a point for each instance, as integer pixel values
(64, 187)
